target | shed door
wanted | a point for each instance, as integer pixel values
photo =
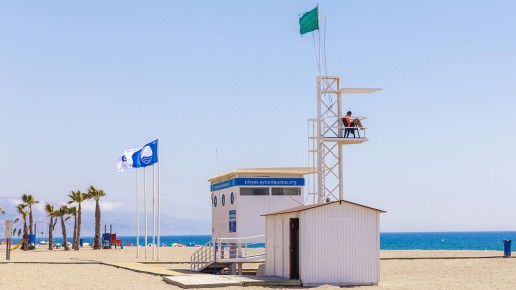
(294, 248)
(278, 248)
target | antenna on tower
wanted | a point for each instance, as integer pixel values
(217, 159)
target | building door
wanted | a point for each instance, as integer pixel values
(294, 248)
(278, 247)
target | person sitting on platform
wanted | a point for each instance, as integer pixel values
(348, 123)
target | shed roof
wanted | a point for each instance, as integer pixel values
(262, 171)
(311, 206)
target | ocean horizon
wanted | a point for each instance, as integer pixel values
(482, 240)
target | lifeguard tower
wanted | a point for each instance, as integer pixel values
(328, 136)
(239, 199)
(332, 241)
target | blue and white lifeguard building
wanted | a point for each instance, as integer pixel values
(239, 198)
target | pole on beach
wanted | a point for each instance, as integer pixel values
(319, 42)
(145, 206)
(137, 220)
(8, 235)
(153, 215)
(159, 219)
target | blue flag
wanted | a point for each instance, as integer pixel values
(146, 156)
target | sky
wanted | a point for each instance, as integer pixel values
(82, 81)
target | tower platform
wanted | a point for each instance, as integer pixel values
(346, 141)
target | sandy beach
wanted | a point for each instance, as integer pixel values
(43, 269)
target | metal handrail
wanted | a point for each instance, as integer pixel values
(225, 249)
(241, 249)
(202, 257)
(243, 238)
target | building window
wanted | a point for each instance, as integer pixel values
(286, 191)
(232, 198)
(215, 201)
(254, 191)
(223, 200)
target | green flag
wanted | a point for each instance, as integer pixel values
(309, 21)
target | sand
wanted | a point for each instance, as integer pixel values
(43, 269)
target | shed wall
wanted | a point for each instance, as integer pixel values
(278, 246)
(339, 244)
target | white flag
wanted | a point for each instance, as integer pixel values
(126, 161)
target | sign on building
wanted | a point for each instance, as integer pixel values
(232, 221)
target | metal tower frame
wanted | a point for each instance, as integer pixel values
(329, 137)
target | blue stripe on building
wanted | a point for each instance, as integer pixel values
(257, 182)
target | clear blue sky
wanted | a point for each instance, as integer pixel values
(81, 82)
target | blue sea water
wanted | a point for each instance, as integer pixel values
(388, 241)
(491, 241)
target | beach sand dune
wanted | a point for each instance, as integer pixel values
(43, 269)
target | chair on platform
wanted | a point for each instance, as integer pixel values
(115, 242)
(350, 128)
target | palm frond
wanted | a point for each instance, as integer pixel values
(94, 193)
(49, 208)
(72, 210)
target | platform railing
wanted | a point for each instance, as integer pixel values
(240, 248)
(228, 250)
(202, 257)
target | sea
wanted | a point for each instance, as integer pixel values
(488, 241)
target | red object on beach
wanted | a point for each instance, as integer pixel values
(130, 245)
(115, 242)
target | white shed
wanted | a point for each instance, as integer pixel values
(331, 243)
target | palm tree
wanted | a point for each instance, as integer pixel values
(96, 194)
(51, 213)
(29, 201)
(21, 210)
(2, 211)
(77, 197)
(63, 213)
(73, 212)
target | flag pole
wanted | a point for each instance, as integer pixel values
(159, 218)
(319, 39)
(153, 216)
(145, 205)
(137, 220)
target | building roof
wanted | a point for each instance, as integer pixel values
(307, 207)
(259, 172)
